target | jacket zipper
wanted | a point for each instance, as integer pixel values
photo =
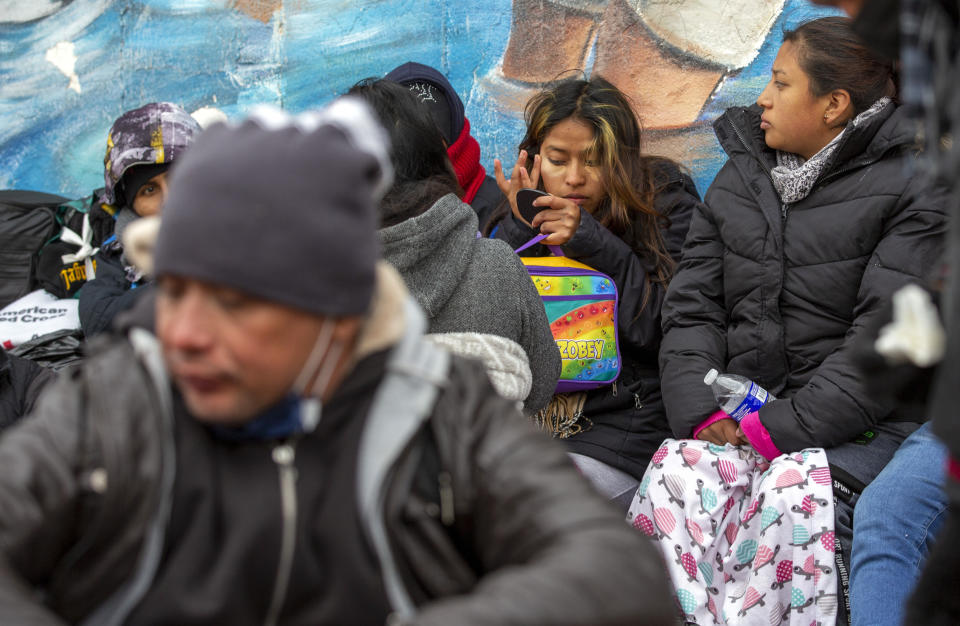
(743, 141)
(445, 482)
(736, 131)
(564, 271)
(284, 456)
(783, 228)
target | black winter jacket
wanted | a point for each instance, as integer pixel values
(628, 418)
(21, 381)
(782, 293)
(488, 199)
(110, 293)
(476, 518)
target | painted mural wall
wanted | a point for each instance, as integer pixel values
(68, 68)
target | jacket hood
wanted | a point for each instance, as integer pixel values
(411, 72)
(738, 129)
(433, 250)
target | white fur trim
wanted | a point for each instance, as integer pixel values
(139, 240)
(352, 116)
(915, 335)
(506, 361)
(207, 116)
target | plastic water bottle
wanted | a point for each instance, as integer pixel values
(736, 396)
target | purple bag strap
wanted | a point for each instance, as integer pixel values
(556, 250)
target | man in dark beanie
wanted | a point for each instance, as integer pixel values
(281, 445)
(437, 95)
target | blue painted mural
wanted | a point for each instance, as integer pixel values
(68, 68)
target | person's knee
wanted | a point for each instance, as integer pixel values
(872, 512)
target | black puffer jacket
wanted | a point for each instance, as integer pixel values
(110, 293)
(782, 293)
(628, 419)
(488, 198)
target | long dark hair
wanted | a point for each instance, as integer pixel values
(422, 172)
(627, 174)
(833, 57)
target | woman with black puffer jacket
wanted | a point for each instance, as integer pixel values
(808, 230)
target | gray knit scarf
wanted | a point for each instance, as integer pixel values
(794, 178)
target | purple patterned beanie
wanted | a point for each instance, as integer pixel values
(156, 133)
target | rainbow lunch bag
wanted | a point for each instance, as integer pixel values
(581, 305)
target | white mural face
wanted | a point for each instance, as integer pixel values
(68, 68)
(14, 11)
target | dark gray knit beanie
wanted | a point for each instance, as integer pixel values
(282, 208)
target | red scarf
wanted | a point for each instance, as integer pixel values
(465, 155)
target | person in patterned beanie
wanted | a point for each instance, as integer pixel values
(141, 147)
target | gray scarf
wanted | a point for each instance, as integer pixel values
(794, 178)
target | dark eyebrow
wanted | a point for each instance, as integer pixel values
(556, 149)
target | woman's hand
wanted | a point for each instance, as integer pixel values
(723, 432)
(560, 219)
(519, 179)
